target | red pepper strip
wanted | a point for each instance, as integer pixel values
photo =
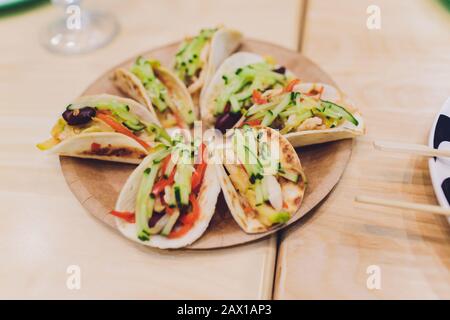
(120, 128)
(169, 210)
(95, 147)
(252, 123)
(314, 92)
(258, 98)
(248, 209)
(200, 169)
(161, 184)
(320, 92)
(188, 220)
(181, 231)
(192, 216)
(127, 216)
(197, 176)
(291, 85)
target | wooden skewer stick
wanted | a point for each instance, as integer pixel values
(410, 148)
(403, 205)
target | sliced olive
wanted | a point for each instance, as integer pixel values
(281, 70)
(79, 116)
(227, 121)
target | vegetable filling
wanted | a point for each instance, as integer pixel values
(170, 109)
(191, 57)
(242, 87)
(260, 177)
(167, 198)
(105, 116)
(291, 111)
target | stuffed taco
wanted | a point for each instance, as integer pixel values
(198, 57)
(306, 113)
(105, 127)
(159, 90)
(168, 201)
(241, 78)
(262, 179)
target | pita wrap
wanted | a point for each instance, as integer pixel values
(160, 90)
(128, 201)
(259, 203)
(231, 89)
(105, 127)
(199, 57)
(307, 113)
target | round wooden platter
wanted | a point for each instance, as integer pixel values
(97, 184)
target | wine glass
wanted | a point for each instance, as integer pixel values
(80, 30)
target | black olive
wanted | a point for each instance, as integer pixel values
(227, 121)
(281, 70)
(79, 116)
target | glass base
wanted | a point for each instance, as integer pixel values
(97, 30)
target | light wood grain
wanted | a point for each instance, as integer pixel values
(44, 229)
(399, 76)
(411, 148)
(392, 203)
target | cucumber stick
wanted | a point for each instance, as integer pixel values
(134, 126)
(280, 217)
(160, 133)
(259, 193)
(122, 111)
(237, 84)
(171, 222)
(182, 186)
(247, 92)
(261, 107)
(268, 155)
(157, 91)
(297, 110)
(265, 190)
(289, 175)
(270, 117)
(246, 150)
(169, 197)
(297, 120)
(333, 110)
(240, 85)
(235, 104)
(145, 202)
(253, 165)
(162, 222)
(169, 168)
(142, 70)
(186, 112)
(160, 156)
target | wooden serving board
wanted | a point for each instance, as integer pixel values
(97, 184)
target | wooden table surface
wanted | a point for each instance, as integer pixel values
(399, 76)
(44, 229)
